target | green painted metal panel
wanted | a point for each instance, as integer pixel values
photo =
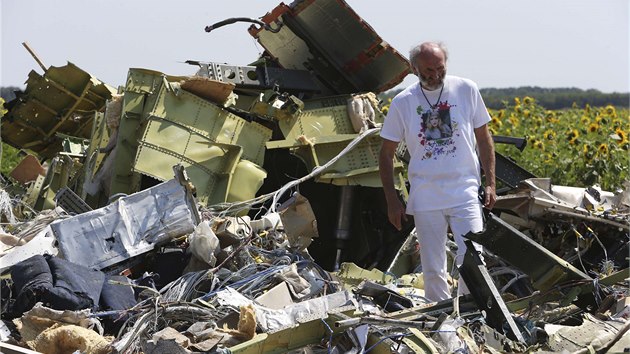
(322, 131)
(209, 165)
(124, 180)
(164, 125)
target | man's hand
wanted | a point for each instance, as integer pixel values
(395, 208)
(491, 198)
(396, 213)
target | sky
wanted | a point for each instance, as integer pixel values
(497, 43)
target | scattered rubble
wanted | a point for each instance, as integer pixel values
(239, 210)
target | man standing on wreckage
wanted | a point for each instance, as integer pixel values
(444, 171)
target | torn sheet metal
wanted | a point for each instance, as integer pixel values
(273, 105)
(594, 335)
(130, 226)
(261, 77)
(92, 179)
(63, 100)
(41, 194)
(352, 275)
(486, 295)
(327, 37)
(510, 244)
(27, 170)
(508, 172)
(273, 320)
(538, 198)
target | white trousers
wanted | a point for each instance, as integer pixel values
(431, 227)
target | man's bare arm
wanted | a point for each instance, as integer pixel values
(395, 208)
(486, 154)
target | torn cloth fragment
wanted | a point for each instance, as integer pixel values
(60, 284)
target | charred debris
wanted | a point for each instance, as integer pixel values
(239, 210)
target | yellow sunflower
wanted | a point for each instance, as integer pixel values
(603, 150)
(585, 120)
(617, 123)
(539, 145)
(513, 120)
(586, 151)
(572, 134)
(623, 136)
(2, 110)
(528, 100)
(517, 101)
(550, 135)
(496, 122)
(593, 127)
(526, 113)
(550, 116)
(531, 140)
(610, 110)
(601, 120)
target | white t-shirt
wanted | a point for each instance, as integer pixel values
(444, 168)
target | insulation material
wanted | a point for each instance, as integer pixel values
(8, 242)
(113, 111)
(299, 221)
(361, 110)
(213, 90)
(69, 339)
(299, 286)
(40, 318)
(246, 324)
(6, 210)
(204, 244)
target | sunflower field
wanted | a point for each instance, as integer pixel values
(579, 147)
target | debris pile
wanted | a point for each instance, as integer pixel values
(239, 210)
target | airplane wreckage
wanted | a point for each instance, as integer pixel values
(239, 210)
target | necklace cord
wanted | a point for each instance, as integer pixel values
(425, 96)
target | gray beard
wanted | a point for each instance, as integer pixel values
(428, 87)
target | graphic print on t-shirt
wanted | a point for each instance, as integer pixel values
(436, 131)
